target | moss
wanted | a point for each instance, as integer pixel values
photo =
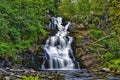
(78, 37)
(31, 78)
(113, 64)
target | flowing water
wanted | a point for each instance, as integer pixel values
(57, 50)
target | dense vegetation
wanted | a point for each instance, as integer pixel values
(21, 23)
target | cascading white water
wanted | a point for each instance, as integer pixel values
(57, 50)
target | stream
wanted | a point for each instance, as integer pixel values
(83, 74)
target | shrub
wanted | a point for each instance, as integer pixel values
(7, 49)
(108, 56)
(96, 34)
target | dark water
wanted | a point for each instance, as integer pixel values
(83, 74)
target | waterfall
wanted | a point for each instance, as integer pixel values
(57, 49)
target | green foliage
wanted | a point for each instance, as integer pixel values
(108, 56)
(81, 9)
(14, 35)
(112, 45)
(69, 9)
(91, 26)
(113, 64)
(23, 45)
(31, 78)
(21, 23)
(96, 34)
(7, 49)
(66, 9)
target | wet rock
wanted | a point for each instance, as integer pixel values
(86, 74)
(73, 26)
(31, 60)
(78, 75)
(105, 70)
(2, 61)
(99, 79)
(18, 76)
(4, 72)
(50, 77)
(113, 78)
(6, 61)
(9, 61)
(7, 78)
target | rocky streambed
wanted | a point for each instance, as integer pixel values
(83, 74)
